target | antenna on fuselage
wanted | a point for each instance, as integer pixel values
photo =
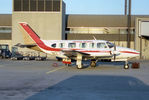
(94, 38)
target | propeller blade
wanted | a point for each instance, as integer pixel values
(114, 47)
(114, 57)
(114, 52)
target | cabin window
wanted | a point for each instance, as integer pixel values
(111, 45)
(72, 45)
(92, 45)
(61, 45)
(53, 45)
(83, 45)
(101, 45)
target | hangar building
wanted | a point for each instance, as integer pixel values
(48, 19)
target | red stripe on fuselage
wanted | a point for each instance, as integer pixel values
(96, 51)
(33, 35)
(129, 52)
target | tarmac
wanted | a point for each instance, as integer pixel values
(52, 80)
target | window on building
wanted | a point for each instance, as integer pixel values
(72, 45)
(6, 47)
(91, 30)
(5, 30)
(110, 31)
(56, 5)
(33, 5)
(17, 5)
(25, 5)
(101, 45)
(132, 31)
(40, 5)
(123, 31)
(37, 5)
(48, 5)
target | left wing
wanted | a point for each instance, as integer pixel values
(73, 53)
(100, 54)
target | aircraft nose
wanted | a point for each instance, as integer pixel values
(133, 52)
(137, 53)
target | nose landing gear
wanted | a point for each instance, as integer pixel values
(93, 63)
(126, 65)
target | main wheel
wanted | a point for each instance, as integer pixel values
(79, 66)
(93, 64)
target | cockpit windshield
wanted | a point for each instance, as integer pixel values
(111, 45)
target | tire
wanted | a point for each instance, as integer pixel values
(126, 66)
(93, 64)
(3, 55)
(79, 66)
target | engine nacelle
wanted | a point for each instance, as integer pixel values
(66, 61)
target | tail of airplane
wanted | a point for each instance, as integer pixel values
(30, 37)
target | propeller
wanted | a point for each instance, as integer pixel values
(94, 38)
(114, 52)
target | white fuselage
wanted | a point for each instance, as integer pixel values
(95, 48)
(79, 49)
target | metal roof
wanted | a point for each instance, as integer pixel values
(100, 20)
(5, 20)
(86, 20)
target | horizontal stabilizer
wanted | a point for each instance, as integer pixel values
(25, 46)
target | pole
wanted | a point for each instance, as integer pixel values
(126, 7)
(129, 25)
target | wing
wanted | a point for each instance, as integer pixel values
(99, 55)
(25, 46)
(73, 53)
(30, 46)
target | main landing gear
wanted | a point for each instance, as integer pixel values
(93, 63)
(79, 61)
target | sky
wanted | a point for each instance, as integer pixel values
(99, 7)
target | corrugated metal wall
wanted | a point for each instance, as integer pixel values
(118, 39)
(5, 36)
(108, 37)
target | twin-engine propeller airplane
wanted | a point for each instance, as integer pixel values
(77, 50)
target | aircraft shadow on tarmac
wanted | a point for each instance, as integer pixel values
(95, 87)
(86, 64)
